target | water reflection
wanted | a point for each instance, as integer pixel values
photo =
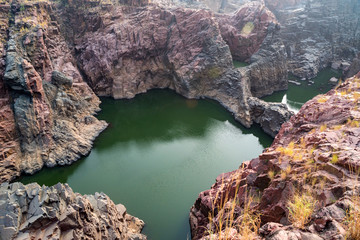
(159, 152)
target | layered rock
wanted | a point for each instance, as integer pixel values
(319, 33)
(48, 108)
(245, 30)
(316, 153)
(49, 115)
(9, 147)
(268, 114)
(35, 212)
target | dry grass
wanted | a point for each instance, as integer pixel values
(323, 127)
(322, 99)
(353, 220)
(225, 225)
(271, 174)
(334, 158)
(301, 207)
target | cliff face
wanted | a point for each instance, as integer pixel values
(48, 114)
(319, 33)
(34, 212)
(315, 152)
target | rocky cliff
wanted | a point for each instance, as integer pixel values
(315, 154)
(34, 212)
(319, 33)
(47, 107)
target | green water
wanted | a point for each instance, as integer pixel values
(296, 95)
(159, 152)
(238, 64)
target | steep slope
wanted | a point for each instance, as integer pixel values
(315, 154)
(49, 114)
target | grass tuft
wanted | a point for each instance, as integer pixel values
(301, 207)
(352, 220)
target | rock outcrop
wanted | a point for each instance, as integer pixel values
(35, 212)
(245, 30)
(47, 116)
(268, 114)
(316, 152)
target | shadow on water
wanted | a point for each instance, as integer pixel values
(160, 151)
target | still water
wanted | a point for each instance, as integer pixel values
(297, 95)
(159, 152)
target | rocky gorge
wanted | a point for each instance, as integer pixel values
(58, 57)
(57, 61)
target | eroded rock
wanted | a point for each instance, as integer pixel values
(31, 211)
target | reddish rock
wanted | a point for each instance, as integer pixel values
(245, 30)
(318, 151)
(39, 114)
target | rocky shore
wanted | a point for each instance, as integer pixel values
(35, 212)
(57, 57)
(316, 154)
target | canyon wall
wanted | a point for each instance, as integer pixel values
(315, 153)
(123, 52)
(48, 115)
(319, 33)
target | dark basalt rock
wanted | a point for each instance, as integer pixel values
(268, 115)
(60, 80)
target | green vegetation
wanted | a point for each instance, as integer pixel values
(238, 64)
(214, 72)
(248, 28)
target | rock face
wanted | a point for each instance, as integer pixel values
(354, 68)
(34, 212)
(268, 114)
(317, 151)
(245, 30)
(319, 33)
(47, 115)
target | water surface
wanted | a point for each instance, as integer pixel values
(159, 152)
(297, 95)
(238, 64)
